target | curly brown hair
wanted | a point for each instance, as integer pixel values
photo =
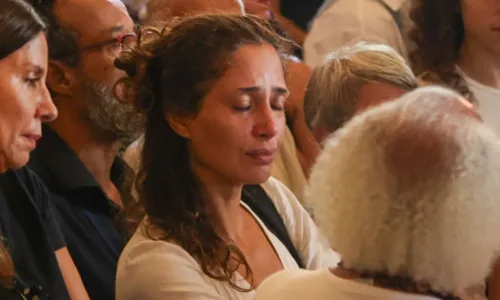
(438, 33)
(169, 71)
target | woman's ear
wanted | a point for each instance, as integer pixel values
(180, 124)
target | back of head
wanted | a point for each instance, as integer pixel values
(330, 99)
(410, 189)
(169, 73)
(61, 40)
(18, 25)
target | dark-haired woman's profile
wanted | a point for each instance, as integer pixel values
(34, 261)
(215, 88)
(457, 44)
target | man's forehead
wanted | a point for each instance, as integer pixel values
(81, 15)
(89, 5)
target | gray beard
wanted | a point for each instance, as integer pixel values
(104, 111)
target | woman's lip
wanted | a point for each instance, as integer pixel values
(262, 151)
(262, 156)
(35, 137)
(32, 140)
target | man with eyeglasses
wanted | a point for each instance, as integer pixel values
(78, 155)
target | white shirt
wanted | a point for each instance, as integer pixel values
(149, 269)
(323, 285)
(488, 99)
(347, 22)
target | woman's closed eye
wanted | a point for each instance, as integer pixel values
(32, 81)
(243, 104)
(243, 108)
(34, 76)
(278, 103)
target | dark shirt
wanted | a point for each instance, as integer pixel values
(300, 11)
(88, 218)
(30, 232)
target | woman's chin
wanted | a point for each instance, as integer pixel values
(17, 161)
(258, 177)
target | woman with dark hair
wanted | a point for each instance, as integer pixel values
(214, 89)
(458, 45)
(34, 261)
(298, 149)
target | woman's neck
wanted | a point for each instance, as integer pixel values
(479, 63)
(225, 210)
(223, 205)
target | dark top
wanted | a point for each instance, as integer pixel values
(31, 233)
(300, 11)
(88, 218)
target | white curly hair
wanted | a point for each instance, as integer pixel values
(411, 188)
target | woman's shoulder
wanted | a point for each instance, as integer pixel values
(143, 251)
(159, 269)
(23, 184)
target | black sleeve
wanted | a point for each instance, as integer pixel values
(42, 198)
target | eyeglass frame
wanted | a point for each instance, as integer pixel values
(117, 39)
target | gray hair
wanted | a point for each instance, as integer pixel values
(410, 188)
(330, 99)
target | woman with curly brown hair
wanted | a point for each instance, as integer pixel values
(458, 44)
(214, 88)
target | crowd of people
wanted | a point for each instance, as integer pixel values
(238, 150)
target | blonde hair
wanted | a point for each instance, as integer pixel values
(330, 99)
(410, 188)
